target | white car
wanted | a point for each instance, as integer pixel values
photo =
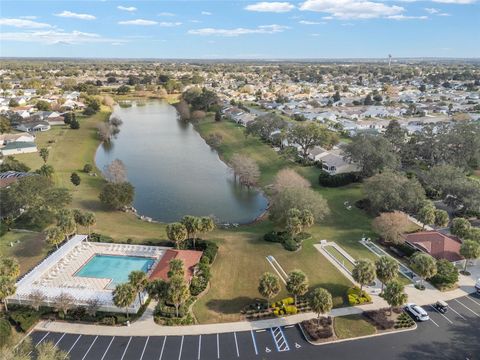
(417, 312)
(477, 286)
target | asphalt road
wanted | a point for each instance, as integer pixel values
(455, 335)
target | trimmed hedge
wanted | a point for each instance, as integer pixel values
(379, 319)
(318, 328)
(284, 238)
(168, 311)
(209, 248)
(24, 318)
(337, 180)
(355, 298)
(404, 321)
(5, 331)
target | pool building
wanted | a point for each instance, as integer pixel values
(90, 270)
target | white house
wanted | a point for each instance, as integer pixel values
(332, 160)
(21, 137)
(33, 126)
(18, 147)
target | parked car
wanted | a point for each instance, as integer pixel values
(417, 312)
(477, 286)
(441, 306)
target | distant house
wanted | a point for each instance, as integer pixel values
(332, 161)
(190, 259)
(436, 244)
(22, 137)
(18, 147)
(33, 126)
(9, 177)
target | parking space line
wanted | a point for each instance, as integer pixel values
(218, 348)
(43, 338)
(433, 307)
(108, 347)
(93, 342)
(126, 347)
(75, 343)
(469, 297)
(254, 342)
(456, 312)
(199, 346)
(163, 347)
(181, 348)
(434, 322)
(144, 347)
(236, 343)
(61, 337)
(466, 307)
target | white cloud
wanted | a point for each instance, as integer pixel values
(52, 37)
(29, 17)
(166, 14)
(23, 23)
(127, 8)
(207, 13)
(352, 9)
(432, 10)
(460, 2)
(169, 24)
(69, 14)
(405, 17)
(263, 29)
(308, 22)
(265, 6)
(443, 14)
(141, 22)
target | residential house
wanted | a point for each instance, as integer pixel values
(9, 177)
(22, 137)
(436, 244)
(332, 161)
(33, 126)
(18, 147)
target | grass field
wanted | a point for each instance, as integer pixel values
(339, 256)
(28, 248)
(351, 326)
(242, 252)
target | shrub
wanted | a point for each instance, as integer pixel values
(447, 275)
(108, 320)
(167, 311)
(272, 236)
(24, 318)
(5, 331)
(379, 319)
(198, 285)
(355, 298)
(404, 321)
(318, 328)
(291, 310)
(209, 248)
(87, 168)
(291, 245)
(100, 238)
(337, 180)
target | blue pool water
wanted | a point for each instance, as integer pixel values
(114, 267)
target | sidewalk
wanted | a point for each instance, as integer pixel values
(145, 326)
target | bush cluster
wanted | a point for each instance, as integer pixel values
(379, 319)
(318, 328)
(355, 298)
(168, 311)
(337, 180)
(285, 307)
(209, 248)
(24, 318)
(284, 238)
(404, 321)
(5, 331)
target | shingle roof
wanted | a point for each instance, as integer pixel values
(190, 259)
(436, 244)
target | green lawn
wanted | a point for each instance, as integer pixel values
(28, 247)
(339, 256)
(352, 326)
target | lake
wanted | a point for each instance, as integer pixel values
(174, 171)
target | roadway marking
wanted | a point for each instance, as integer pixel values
(236, 343)
(75, 343)
(108, 347)
(433, 321)
(59, 339)
(199, 346)
(144, 347)
(181, 348)
(163, 347)
(466, 307)
(434, 308)
(125, 351)
(254, 342)
(279, 339)
(456, 312)
(469, 297)
(298, 346)
(43, 338)
(93, 342)
(218, 349)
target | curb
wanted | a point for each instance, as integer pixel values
(355, 338)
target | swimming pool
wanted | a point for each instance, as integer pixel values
(114, 267)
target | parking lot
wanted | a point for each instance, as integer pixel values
(454, 335)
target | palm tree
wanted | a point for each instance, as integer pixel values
(54, 235)
(7, 288)
(321, 301)
(206, 225)
(178, 292)
(193, 225)
(48, 351)
(363, 273)
(9, 267)
(394, 294)
(177, 233)
(386, 269)
(138, 280)
(46, 170)
(297, 284)
(90, 220)
(269, 286)
(66, 221)
(44, 152)
(124, 296)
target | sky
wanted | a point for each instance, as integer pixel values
(221, 29)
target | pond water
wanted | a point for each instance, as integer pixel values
(174, 171)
